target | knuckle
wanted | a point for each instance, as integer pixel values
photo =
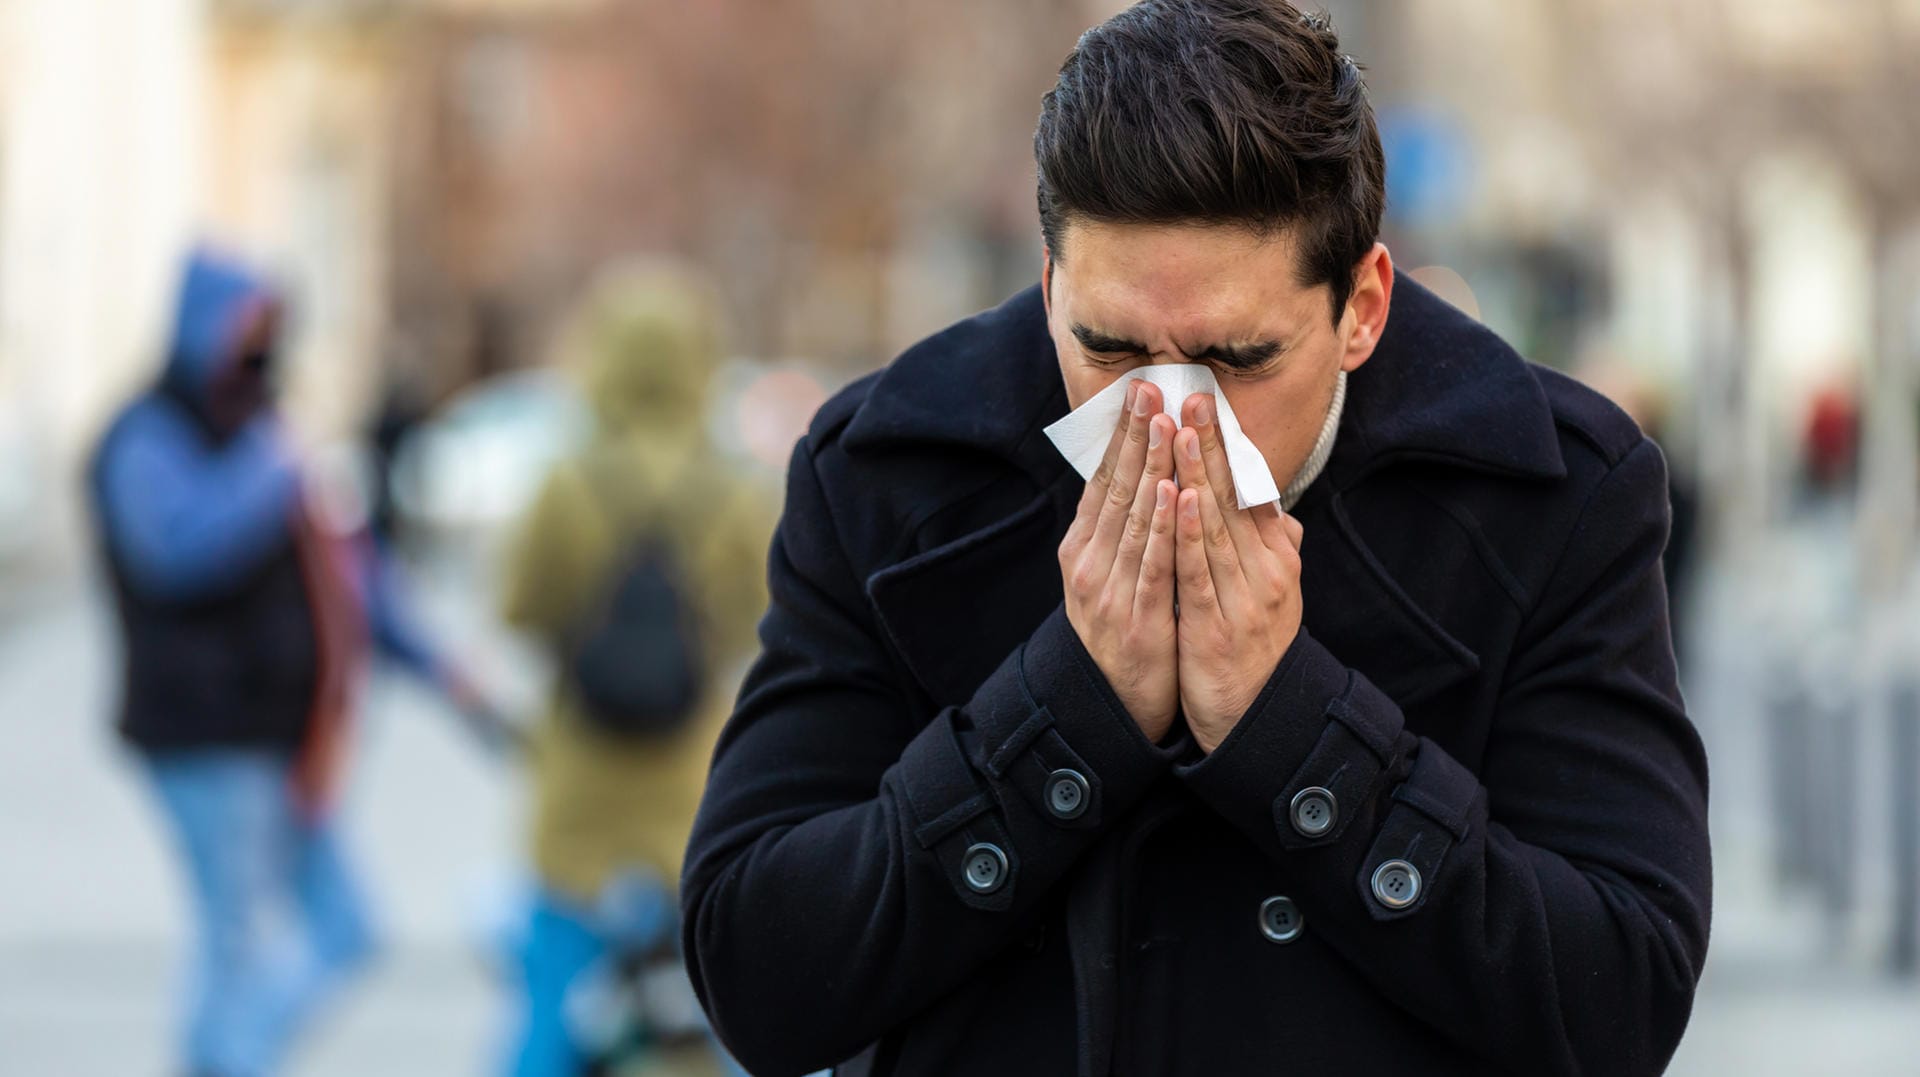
(1082, 578)
(1193, 574)
(1069, 549)
(1158, 563)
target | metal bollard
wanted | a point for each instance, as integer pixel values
(1903, 952)
(1787, 771)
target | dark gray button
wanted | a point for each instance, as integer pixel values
(1280, 919)
(1314, 811)
(1067, 794)
(985, 867)
(1396, 884)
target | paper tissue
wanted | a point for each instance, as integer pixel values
(1082, 435)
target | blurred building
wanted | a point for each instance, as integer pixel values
(1723, 195)
(434, 180)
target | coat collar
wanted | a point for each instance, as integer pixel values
(1440, 386)
(989, 384)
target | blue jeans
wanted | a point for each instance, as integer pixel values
(279, 919)
(564, 945)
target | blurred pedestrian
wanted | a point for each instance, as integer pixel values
(638, 568)
(244, 620)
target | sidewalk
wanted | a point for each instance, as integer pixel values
(90, 909)
(1759, 1020)
(90, 918)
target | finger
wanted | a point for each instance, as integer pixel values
(1092, 497)
(1202, 413)
(1296, 531)
(1125, 480)
(1271, 522)
(1190, 559)
(1219, 546)
(1138, 527)
(1280, 536)
(1154, 593)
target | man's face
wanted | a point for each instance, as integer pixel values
(1127, 295)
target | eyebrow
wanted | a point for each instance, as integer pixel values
(1237, 356)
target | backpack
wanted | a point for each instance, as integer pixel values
(635, 661)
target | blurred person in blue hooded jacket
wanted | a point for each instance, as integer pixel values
(244, 621)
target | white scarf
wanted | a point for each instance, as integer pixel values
(1316, 461)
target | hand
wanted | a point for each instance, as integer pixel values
(494, 730)
(1117, 564)
(1239, 582)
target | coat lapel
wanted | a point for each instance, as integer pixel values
(1356, 608)
(956, 611)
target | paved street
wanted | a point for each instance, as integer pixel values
(90, 914)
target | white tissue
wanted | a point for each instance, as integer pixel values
(1082, 435)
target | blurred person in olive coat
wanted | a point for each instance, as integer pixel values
(613, 804)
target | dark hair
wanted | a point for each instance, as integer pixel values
(1216, 111)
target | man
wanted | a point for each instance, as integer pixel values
(1044, 776)
(243, 621)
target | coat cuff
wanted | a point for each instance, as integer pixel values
(1058, 717)
(1307, 757)
(1044, 757)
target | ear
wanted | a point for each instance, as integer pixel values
(1046, 281)
(1366, 315)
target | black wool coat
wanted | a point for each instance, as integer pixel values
(1462, 830)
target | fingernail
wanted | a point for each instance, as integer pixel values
(1154, 436)
(1139, 402)
(1133, 389)
(1203, 413)
(1193, 449)
(1160, 495)
(1190, 508)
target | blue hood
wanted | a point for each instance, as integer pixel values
(214, 295)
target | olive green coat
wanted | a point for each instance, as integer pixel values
(602, 803)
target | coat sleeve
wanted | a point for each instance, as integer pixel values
(1552, 910)
(826, 896)
(397, 629)
(190, 523)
